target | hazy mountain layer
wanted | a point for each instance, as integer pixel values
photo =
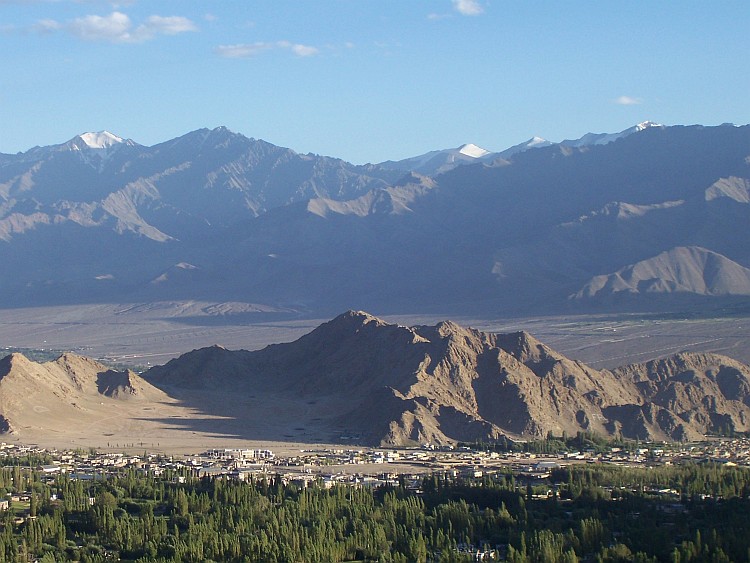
(215, 216)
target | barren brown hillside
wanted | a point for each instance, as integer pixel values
(378, 382)
(358, 379)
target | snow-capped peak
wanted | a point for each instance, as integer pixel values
(101, 140)
(646, 125)
(590, 139)
(95, 149)
(537, 142)
(473, 151)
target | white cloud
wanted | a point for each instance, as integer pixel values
(628, 101)
(467, 7)
(243, 50)
(304, 50)
(247, 50)
(114, 27)
(118, 27)
(47, 26)
(167, 25)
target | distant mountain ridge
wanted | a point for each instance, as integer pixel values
(359, 379)
(217, 216)
(439, 161)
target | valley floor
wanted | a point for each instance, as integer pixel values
(147, 334)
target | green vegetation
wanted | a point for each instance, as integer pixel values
(43, 355)
(582, 441)
(33, 354)
(583, 512)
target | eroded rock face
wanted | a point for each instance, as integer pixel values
(403, 385)
(381, 383)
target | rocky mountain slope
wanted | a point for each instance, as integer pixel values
(67, 395)
(679, 270)
(361, 380)
(603, 222)
(382, 383)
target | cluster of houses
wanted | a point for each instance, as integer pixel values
(368, 466)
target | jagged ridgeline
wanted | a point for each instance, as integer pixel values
(645, 219)
(379, 383)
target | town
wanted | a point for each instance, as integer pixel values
(54, 497)
(368, 466)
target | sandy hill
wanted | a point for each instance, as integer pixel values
(68, 395)
(691, 270)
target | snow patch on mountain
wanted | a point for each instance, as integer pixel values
(95, 149)
(473, 151)
(101, 140)
(439, 161)
(590, 139)
(537, 142)
(646, 124)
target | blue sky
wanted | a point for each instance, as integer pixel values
(367, 80)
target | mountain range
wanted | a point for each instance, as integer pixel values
(647, 218)
(360, 380)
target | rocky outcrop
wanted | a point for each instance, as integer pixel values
(359, 379)
(402, 385)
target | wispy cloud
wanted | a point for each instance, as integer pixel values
(467, 7)
(47, 26)
(298, 49)
(242, 50)
(304, 50)
(247, 50)
(117, 27)
(628, 101)
(166, 25)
